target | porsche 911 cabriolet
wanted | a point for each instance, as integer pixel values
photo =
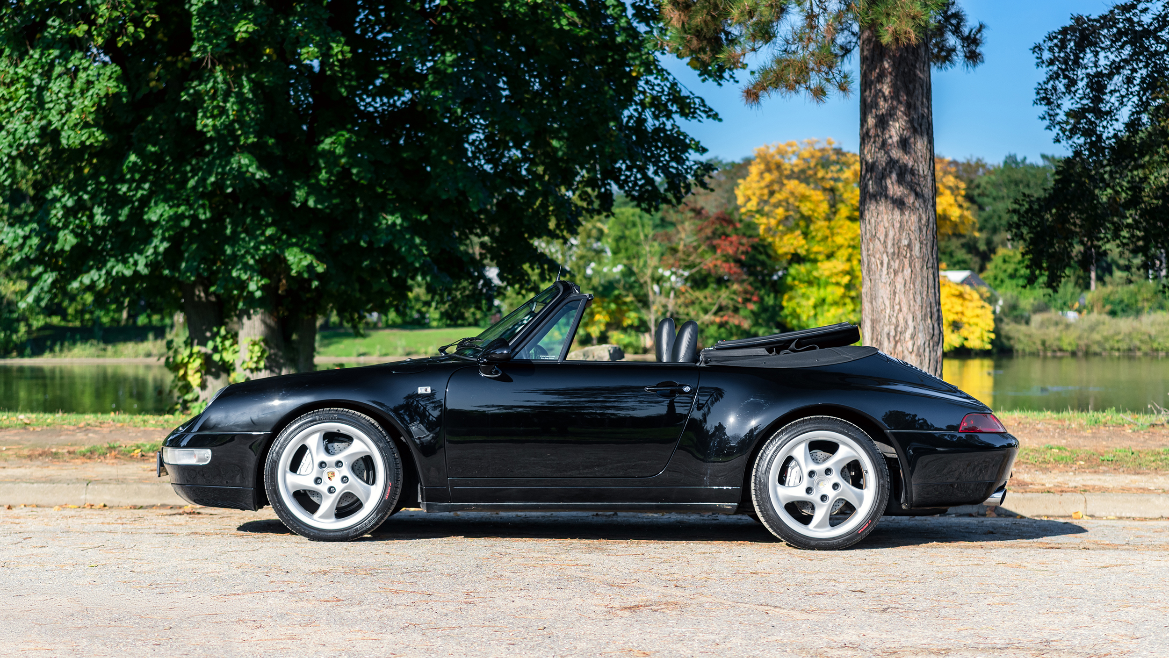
(812, 435)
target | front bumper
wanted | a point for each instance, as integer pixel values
(244, 498)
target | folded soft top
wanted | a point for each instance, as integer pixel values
(834, 335)
(756, 357)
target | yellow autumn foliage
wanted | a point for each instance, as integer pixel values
(950, 205)
(968, 320)
(804, 198)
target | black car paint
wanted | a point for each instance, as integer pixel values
(731, 411)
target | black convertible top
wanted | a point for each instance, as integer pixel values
(834, 335)
(759, 357)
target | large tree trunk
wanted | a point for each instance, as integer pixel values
(900, 312)
(262, 324)
(306, 343)
(204, 313)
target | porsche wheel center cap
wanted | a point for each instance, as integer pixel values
(331, 475)
(823, 484)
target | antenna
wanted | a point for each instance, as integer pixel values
(558, 273)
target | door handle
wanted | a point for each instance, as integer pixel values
(667, 387)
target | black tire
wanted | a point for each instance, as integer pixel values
(802, 518)
(370, 466)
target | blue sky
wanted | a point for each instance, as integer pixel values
(986, 112)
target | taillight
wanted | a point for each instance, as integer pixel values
(981, 423)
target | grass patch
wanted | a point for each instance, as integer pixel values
(28, 420)
(131, 451)
(1116, 458)
(389, 342)
(1088, 419)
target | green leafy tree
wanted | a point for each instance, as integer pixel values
(801, 48)
(993, 192)
(268, 161)
(1105, 96)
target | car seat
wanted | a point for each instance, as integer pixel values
(682, 347)
(686, 344)
(664, 340)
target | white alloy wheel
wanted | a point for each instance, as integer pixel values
(822, 482)
(333, 475)
(330, 474)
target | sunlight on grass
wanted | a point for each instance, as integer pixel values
(389, 342)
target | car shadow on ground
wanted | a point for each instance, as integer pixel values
(890, 532)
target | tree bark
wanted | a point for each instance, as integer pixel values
(900, 311)
(262, 324)
(204, 314)
(306, 343)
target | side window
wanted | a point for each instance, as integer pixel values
(547, 346)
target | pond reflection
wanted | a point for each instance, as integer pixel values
(1060, 383)
(1003, 383)
(84, 388)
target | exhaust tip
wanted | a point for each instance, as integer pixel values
(996, 499)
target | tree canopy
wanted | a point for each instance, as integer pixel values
(295, 156)
(803, 46)
(1104, 95)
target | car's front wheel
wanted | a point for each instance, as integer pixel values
(820, 483)
(333, 475)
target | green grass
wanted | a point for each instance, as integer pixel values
(1116, 458)
(1107, 418)
(132, 450)
(17, 419)
(389, 342)
(105, 343)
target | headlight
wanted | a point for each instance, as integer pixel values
(186, 456)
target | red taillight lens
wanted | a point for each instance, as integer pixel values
(981, 423)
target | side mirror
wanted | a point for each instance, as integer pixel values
(498, 354)
(498, 351)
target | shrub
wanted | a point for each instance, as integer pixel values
(1093, 333)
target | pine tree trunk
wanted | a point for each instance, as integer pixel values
(900, 311)
(262, 324)
(306, 343)
(204, 314)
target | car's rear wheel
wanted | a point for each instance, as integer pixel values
(333, 475)
(820, 483)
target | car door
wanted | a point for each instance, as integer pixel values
(571, 419)
(540, 416)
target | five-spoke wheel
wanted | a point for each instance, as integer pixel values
(820, 483)
(333, 474)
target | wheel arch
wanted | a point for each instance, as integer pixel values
(874, 429)
(391, 425)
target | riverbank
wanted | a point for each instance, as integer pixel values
(1096, 334)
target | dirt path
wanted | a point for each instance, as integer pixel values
(1036, 434)
(161, 582)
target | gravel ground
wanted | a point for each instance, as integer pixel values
(164, 582)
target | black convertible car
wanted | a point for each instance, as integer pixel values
(816, 438)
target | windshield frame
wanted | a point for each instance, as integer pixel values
(561, 290)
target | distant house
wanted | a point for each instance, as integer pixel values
(970, 279)
(966, 278)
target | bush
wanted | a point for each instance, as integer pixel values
(1127, 300)
(1094, 333)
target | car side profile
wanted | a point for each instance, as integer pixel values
(815, 437)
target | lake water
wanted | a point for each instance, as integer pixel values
(1007, 383)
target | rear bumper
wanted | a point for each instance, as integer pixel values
(948, 469)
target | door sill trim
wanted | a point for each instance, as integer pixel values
(708, 508)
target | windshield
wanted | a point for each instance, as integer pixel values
(513, 323)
